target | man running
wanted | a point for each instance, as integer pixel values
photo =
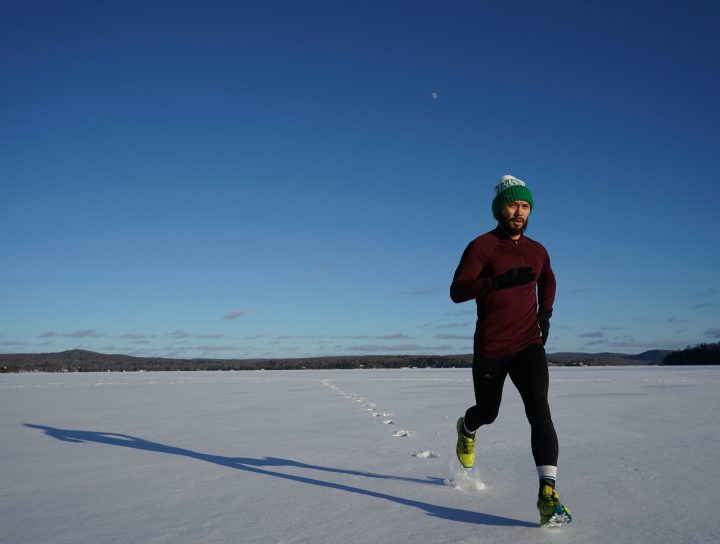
(510, 278)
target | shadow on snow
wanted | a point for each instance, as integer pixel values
(260, 466)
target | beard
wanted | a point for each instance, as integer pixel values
(511, 229)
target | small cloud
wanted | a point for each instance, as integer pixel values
(452, 337)
(209, 336)
(578, 290)
(454, 325)
(404, 348)
(135, 336)
(180, 334)
(592, 335)
(213, 348)
(713, 332)
(611, 328)
(644, 319)
(235, 314)
(703, 305)
(12, 344)
(87, 333)
(676, 320)
(706, 293)
(396, 336)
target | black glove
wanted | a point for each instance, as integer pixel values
(544, 324)
(513, 277)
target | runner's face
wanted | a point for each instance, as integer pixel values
(514, 217)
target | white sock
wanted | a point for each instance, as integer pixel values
(547, 472)
(471, 433)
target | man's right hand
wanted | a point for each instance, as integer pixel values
(513, 277)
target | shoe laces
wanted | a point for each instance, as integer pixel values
(466, 443)
(549, 495)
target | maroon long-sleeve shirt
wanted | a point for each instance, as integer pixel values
(506, 318)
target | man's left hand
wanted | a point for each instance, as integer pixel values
(544, 324)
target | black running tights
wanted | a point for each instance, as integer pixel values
(529, 373)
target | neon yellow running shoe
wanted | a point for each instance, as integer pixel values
(465, 448)
(553, 513)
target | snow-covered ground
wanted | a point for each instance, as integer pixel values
(351, 457)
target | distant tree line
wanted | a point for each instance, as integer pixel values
(701, 354)
(87, 361)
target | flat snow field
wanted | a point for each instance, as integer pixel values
(349, 457)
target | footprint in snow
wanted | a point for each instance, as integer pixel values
(426, 454)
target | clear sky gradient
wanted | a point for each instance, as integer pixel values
(287, 179)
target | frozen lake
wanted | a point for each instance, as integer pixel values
(352, 457)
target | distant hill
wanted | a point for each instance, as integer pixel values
(702, 354)
(653, 357)
(87, 361)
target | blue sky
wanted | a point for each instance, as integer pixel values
(278, 179)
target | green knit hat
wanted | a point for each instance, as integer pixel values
(509, 190)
